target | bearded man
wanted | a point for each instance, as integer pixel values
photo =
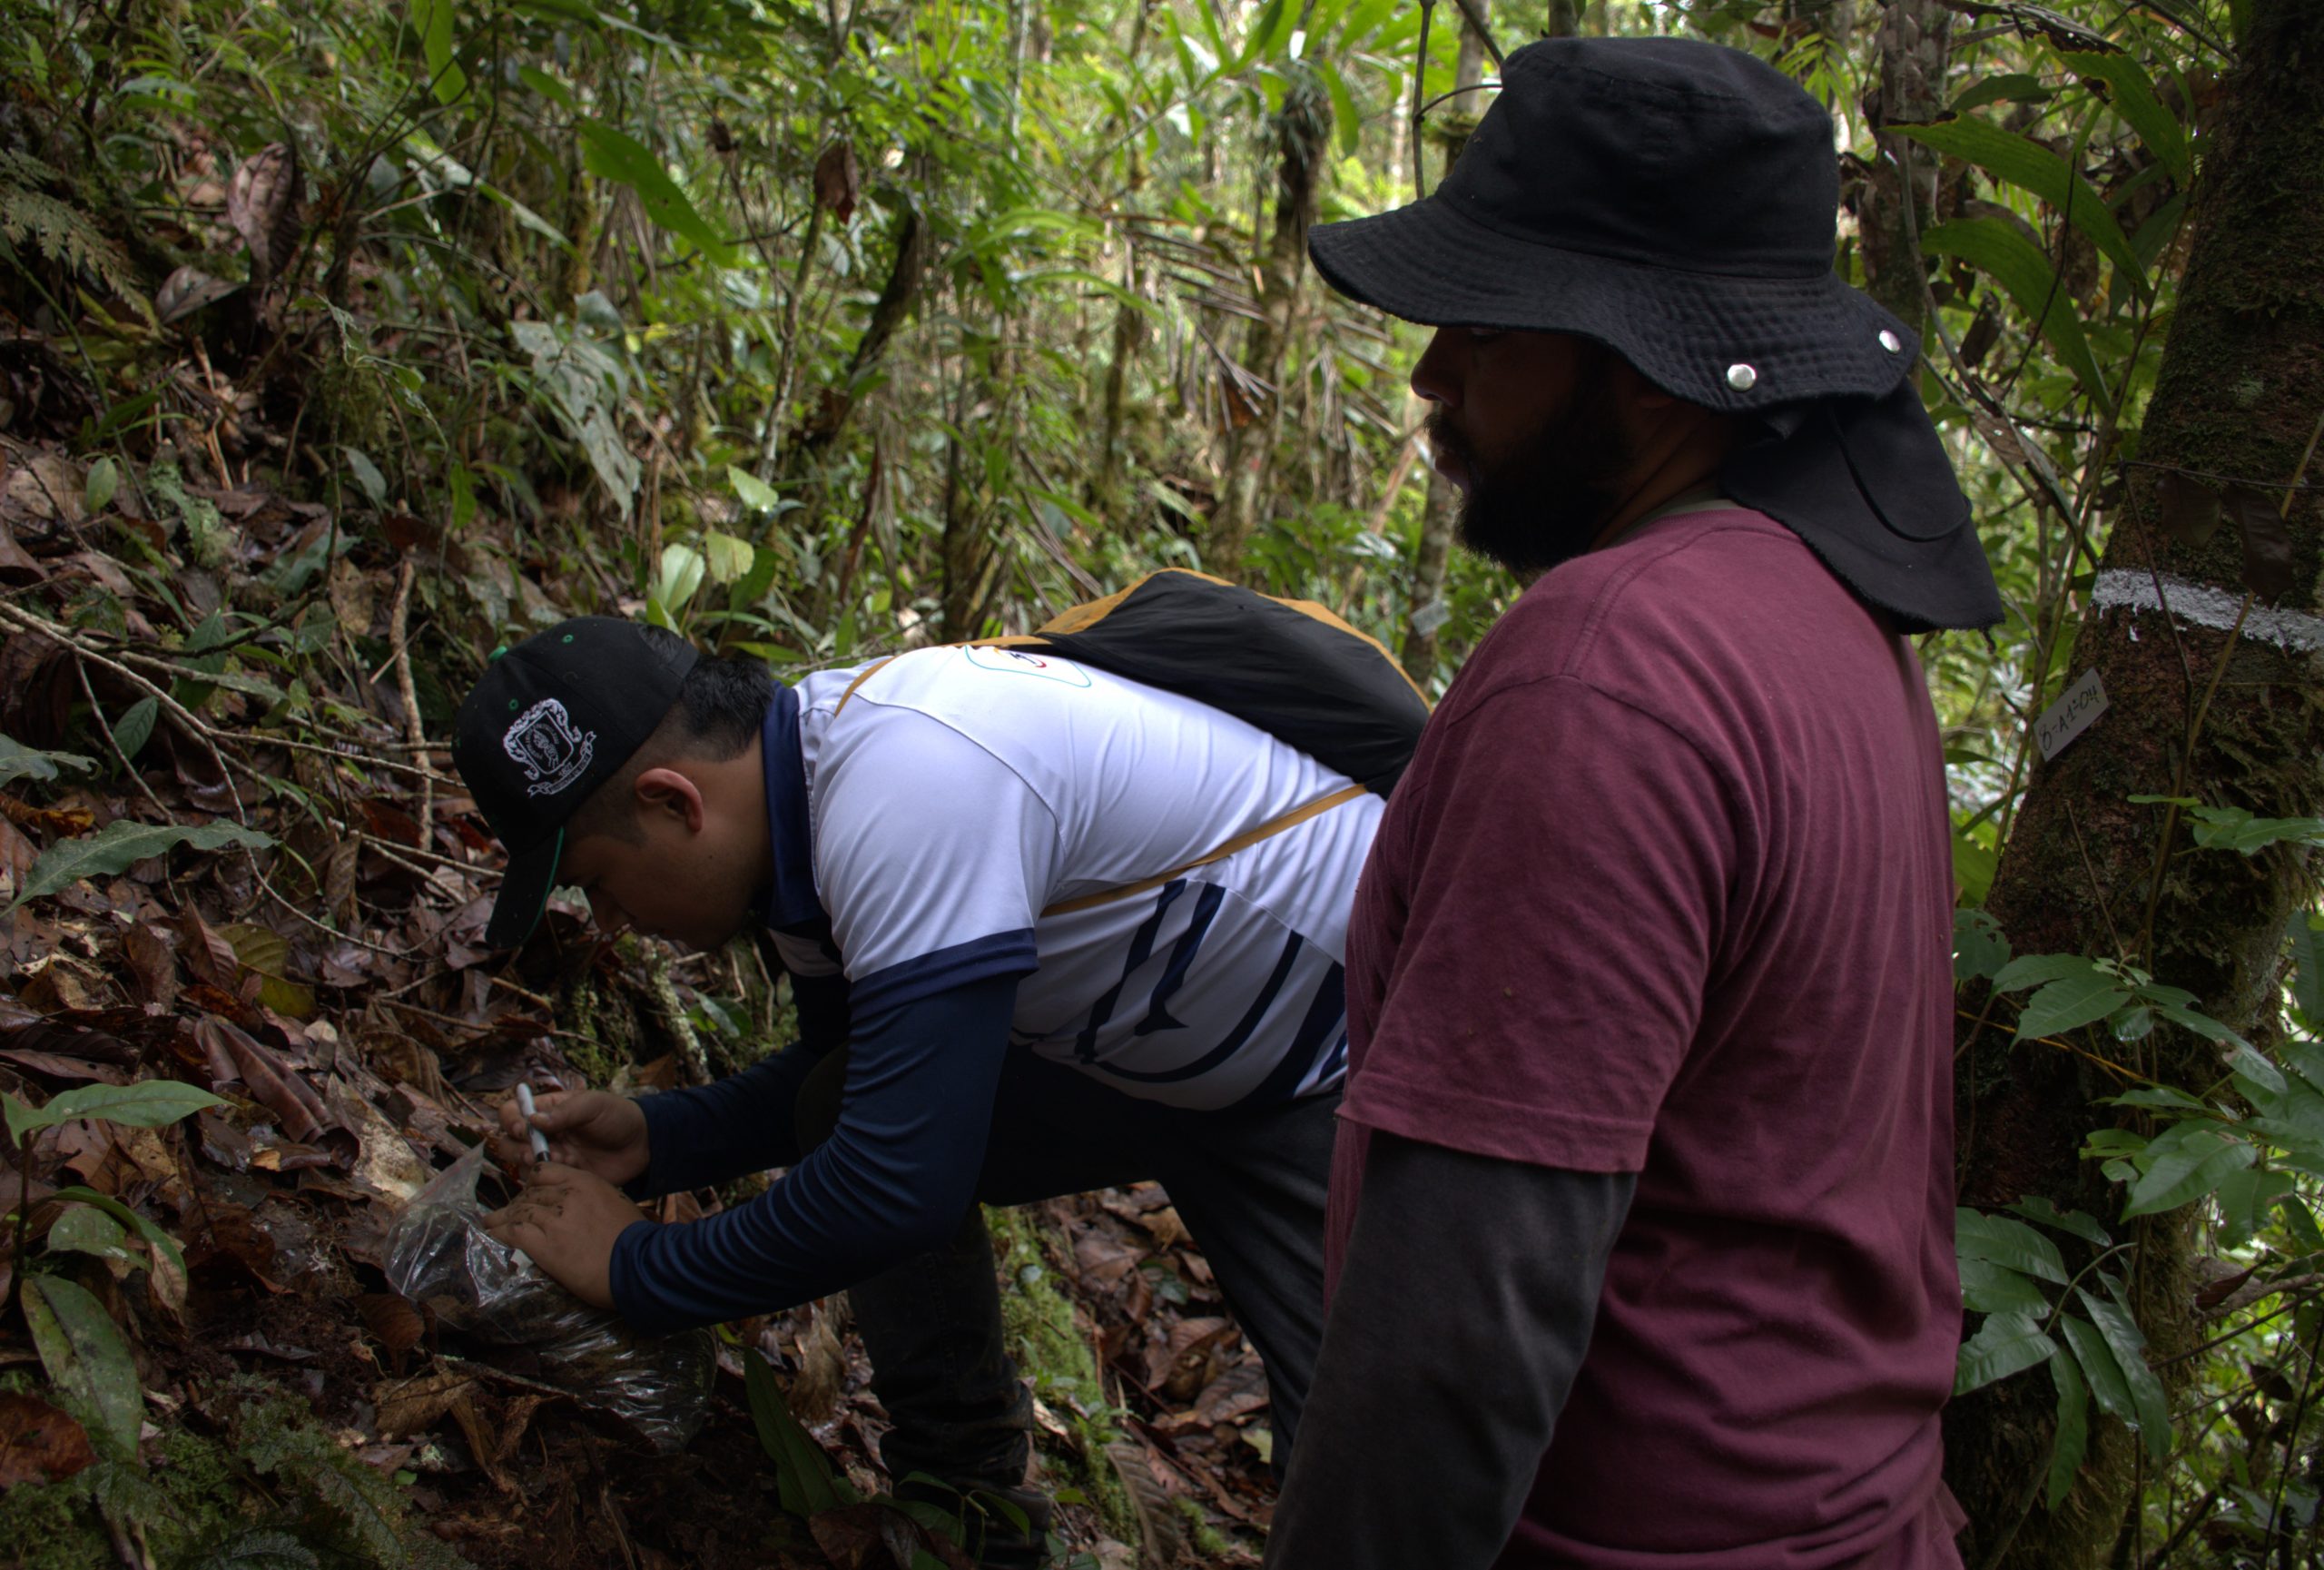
(1640, 1238)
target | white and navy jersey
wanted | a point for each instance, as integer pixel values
(963, 791)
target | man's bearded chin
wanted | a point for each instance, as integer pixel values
(1544, 502)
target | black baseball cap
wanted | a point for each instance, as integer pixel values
(552, 719)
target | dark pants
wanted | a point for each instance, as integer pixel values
(1249, 1185)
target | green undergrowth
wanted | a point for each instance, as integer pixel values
(1052, 1352)
(272, 1491)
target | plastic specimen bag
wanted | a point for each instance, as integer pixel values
(439, 1254)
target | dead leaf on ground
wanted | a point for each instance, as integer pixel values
(39, 1444)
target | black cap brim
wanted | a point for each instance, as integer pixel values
(1802, 337)
(524, 893)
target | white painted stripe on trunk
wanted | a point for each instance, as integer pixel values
(2118, 589)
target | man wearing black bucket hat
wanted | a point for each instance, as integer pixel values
(1641, 1237)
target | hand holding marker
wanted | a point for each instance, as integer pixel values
(525, 1105)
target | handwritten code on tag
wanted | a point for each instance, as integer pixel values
(2072, 715)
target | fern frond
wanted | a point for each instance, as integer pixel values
(64, 234)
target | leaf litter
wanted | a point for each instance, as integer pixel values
(226, 869)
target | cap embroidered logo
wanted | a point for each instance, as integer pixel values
(545, 742)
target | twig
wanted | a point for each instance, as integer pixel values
(98, 714)
(414, 731)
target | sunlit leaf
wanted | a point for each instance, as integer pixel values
(431, 21)
(2133, 96)
(2024, 163)
(612, 154)
(2025, 275)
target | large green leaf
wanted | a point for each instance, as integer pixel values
(617, 155)
(1990, 1289)
(2082, 1225)
(2033, 970)
(147, 1105)
(2128, 1343)
(2098, 1366)
(2188, 1161)
(117, 846)
(2002, 1242)
(83, 1229)
(2134, 98)
(85, 1355)
(2005, 1344)
(2073, 1441)
(2025, 274)
(2306, 932)
(18, 761)
(2028, 164)
(431, 20)
(160, 1241)
(804, 1477)
(2071, 1003)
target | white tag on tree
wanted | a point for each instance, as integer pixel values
(2068, 717)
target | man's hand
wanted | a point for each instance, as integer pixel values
(601, 1134)
(567, 1221)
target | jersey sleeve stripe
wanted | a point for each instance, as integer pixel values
(997, 954)
(1235, 1038)
(1325, 1028)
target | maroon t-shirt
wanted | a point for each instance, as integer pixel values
(1667, 890)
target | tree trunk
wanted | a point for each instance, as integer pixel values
(1913, 41)
(1105, 493)
(1300, 129)
(2196, 710)
(1425, 596)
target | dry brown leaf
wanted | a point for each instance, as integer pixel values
(837, 184)
(262, 204)
(152, 963)
(39, 1444)
(408, 1406)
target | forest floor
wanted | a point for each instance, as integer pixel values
(203, 651)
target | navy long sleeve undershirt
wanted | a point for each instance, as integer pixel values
(893, 1181)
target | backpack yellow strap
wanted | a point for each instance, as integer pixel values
(1241, 841)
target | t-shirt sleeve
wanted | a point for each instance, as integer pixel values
(933, 857)
(1558, 894)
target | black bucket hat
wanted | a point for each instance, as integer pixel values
(1676, 202)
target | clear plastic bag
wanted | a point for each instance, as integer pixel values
(440, 1254)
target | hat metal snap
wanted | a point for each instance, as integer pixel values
(1890, 342)
(1742, 378)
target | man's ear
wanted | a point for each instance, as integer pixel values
(667, 791)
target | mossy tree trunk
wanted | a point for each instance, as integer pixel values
(2240, 396)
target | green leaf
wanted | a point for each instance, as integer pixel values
(2005, 1344)
(83, 1231)
(368, 478)
(2246, 1062)
(1344, 117)
(147, 1105)
(136, 727)
(753, 492)
(804, 1477)
(2233, 829)
(2133, 96)
(2186, 1162)
(2025, 274)
(2150, 1408)
(2010, 87)
(1990, 1289)
(2306, 934)
(119, 844)
(431, 20)
(2035, 1208)
(160, 1241)
(2069, 1004)
(2033, 970)
(1979, 949)
(24, 1118)
(2002, 1242)
(18, 761)
(2073, 1442)
(616, 156)
(104, 479)
(2098, 1366)
(727, 558)
(548, 87)
(2024, 163)
(2244, 1199)
(681, 572)
(85, 1355)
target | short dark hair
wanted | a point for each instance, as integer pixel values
(720, 706)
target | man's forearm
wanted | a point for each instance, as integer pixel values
(1464, 1308)
(709, 1133)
